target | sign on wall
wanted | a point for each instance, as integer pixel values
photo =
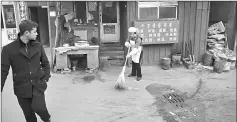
(12, 34)
(9, 16)
(109, 29)
(157, 32)
(23, 10)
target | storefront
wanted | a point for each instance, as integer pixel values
(165, 26)
(109, 21)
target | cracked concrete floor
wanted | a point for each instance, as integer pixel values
(71, 100)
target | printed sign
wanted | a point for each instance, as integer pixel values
(9, 16)
(155, 32)
(109, 29)
(12, 34)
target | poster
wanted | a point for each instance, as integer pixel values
(9, 16)
(109, 29)
(12, 34)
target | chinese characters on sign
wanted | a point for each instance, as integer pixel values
(12, 34)
(23, 10)
(158, 31)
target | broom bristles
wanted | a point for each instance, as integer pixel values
(120, 83)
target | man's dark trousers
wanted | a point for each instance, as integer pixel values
(33, 105)
(136, 67)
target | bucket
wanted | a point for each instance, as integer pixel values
(176, 58)
(165, 63)
(219, 65)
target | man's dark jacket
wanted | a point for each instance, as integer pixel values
(30, 67)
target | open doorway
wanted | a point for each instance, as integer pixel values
(39, 15)
(225, 11)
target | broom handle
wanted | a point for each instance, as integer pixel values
(126, 57)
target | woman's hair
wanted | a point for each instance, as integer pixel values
(27, 25)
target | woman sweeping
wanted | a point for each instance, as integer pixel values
(134, 41)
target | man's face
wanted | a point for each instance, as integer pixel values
(32, 34)
(133, 34)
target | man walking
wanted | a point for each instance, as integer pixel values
(30, 69)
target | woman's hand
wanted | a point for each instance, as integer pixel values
(127, 44)
(128, 55)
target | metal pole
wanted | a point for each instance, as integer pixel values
(50, 40)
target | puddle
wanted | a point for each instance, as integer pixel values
(175, 106)
(84, 79)
(88, 79)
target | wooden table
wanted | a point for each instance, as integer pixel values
(62, 60)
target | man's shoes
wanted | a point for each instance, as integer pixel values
(131, 75)
(139, 78)
(49, 120)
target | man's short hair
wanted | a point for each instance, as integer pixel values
(27, 25)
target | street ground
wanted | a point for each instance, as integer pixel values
(70, 98)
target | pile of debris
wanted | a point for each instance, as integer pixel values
(216, 38)
(218, 54)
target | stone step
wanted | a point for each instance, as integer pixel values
(110, 45)
(112, 52)
(111, 49)
(112, 55)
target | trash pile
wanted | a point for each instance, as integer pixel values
(218, 55)
(216, 38)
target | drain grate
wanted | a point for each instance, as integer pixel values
(174, 98)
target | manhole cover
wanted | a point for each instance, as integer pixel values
(175, 99)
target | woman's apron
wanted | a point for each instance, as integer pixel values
(136, 52)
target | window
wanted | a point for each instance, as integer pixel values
(157, 10)
(87, 12)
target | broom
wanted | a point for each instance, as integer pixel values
(120, 83)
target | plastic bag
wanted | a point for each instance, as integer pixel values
(219, 65)
(227, 66)
(208, 59)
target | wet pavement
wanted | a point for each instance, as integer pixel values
(92, 97)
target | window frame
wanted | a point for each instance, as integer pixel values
(158, 10)
(86, 10)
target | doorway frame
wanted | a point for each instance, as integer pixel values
(101, 24)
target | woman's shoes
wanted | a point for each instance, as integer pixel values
(139, 78)
(130, 75)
